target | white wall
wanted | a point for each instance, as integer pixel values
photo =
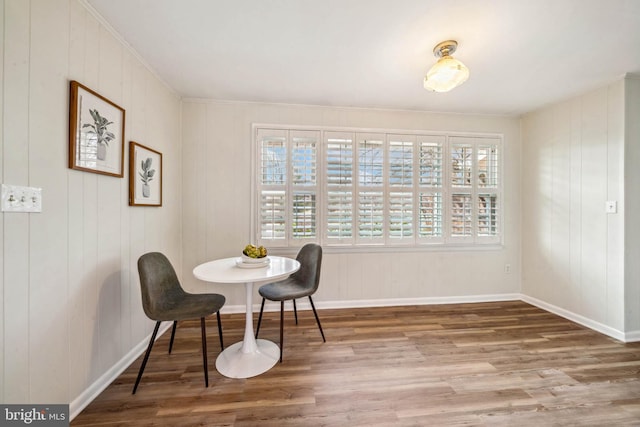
(632, 206)
(216, 197)
(572, 251)
(69, 295)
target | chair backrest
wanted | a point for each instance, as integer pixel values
(159, 284)
(310, 259)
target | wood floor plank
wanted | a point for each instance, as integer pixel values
(485, 364)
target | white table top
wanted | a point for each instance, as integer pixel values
(226, 271)
(249, 357)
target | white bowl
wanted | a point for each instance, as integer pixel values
(249, 260)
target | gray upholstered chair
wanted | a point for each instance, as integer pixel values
(302, 283)
(164, 299)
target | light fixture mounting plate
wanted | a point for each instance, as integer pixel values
(445, 48)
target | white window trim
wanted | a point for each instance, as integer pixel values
(355, 244)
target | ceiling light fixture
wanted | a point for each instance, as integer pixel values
(448, 72)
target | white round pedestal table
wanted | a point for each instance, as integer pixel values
(249, 357)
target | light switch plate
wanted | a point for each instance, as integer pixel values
(21, 199)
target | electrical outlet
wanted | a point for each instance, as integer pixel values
(507, 268)
(21, 199)
(611, 206)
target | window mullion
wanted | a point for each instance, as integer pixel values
(289, 192)
(474, 190)
(320, 179)
(386, 201)
(446, 191)
(415, 191)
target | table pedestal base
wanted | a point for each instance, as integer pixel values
(233, 363)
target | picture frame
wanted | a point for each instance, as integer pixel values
(145, 175)
(96, 132)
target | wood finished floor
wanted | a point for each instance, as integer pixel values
(486, 364)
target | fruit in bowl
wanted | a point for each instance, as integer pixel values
(251, 253)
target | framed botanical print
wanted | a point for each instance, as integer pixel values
(145, 176)
(96, 133)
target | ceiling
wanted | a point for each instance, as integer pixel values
(522, 54)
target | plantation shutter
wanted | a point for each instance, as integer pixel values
(303, 185)
(349, 188)
(272, 186)
(474, 203)
(430, 188)
(487, 202)
(461, 195)
(339, 178)
(370, 188)
(400, 207)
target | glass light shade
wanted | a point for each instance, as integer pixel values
(446, 74)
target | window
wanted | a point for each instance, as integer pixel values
(354, 188)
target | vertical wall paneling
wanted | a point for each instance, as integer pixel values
(372, 277)
(217, 225)
(217, 152)
(536, 204)
(15, 156)
(572, 250)
(78, 352)
(136, 122)
(48, 283)
(575, 196)
(2, 300)
(109, 205)
(615, 191)
(194, 117)
(594, 193)
(560, 228)
(89, 202)
(632, 204)
(125, 228)
(71, 311)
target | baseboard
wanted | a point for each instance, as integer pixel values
(86, 397)
(633, 336)
(303, 303)
(579, 319)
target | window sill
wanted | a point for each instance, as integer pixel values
(371, 249)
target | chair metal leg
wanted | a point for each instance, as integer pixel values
(295, 311)
(259, 318)
(173, 334)
(317, 318)
(220, 330)
(146, 356)
(204, 352)
(281, 327)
